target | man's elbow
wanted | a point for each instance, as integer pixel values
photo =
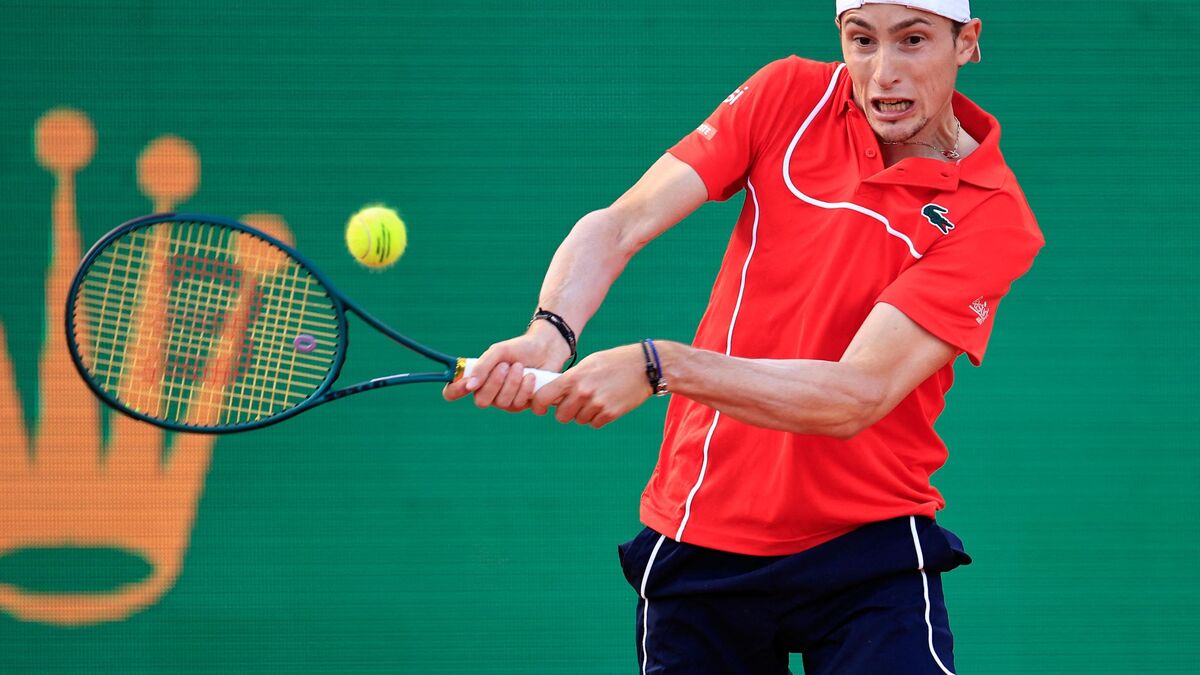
(627, 227)
(605, 235)
(864, 405)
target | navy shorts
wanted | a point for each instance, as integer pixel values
(867, 603)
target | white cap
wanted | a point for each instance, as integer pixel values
(955, 10)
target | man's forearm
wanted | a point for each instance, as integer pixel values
(600, 245)
(803, 396)
(585, 266)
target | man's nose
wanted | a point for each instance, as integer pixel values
(886, 74)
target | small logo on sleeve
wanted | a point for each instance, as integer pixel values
(936, 215)
(733, 98)
(706, 131)
(980, 307)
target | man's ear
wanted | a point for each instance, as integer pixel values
(968, 41)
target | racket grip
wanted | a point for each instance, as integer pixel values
(541, 378)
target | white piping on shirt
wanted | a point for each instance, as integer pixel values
(787, 179)
(687, 508)
(787, 175)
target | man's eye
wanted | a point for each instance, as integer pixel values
(862, 41)
(914, 40)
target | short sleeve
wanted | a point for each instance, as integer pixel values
(953, 291)
(722, 149)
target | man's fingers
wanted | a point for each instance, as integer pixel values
(482, 370)
(525, 396)
(486, 393)
(506, 399)
(455, 390)
(549, 395)
(569, 408)
(588, 413)
(507, 387)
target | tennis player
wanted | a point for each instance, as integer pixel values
(791, 509)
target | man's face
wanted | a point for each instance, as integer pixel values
(903, 63)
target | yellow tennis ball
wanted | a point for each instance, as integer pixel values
(376, 236)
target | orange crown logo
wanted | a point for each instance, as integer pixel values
(61, 485)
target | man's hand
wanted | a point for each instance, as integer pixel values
(580, 274)
(603, 387)
(499, 378)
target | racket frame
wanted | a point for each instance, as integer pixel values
(341, 304)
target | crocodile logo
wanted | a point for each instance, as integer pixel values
(936, 215)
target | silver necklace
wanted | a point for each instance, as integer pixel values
(951, 154)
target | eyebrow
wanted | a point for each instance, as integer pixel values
(907, 23)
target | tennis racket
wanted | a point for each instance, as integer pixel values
(197, 323)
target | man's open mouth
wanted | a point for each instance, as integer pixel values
(891, 105)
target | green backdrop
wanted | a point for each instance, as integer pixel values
(398, 533)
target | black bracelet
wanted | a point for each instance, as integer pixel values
(561, 324)
(654, 373)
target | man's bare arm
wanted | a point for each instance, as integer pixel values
(584, 267)
(888, 357)
(600, 245)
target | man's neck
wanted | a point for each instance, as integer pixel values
(942, 148)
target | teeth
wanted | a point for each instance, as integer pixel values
(893, 106)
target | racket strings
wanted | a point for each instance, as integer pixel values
(201, 324)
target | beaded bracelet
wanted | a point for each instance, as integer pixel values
(654, 373)
(561, 324)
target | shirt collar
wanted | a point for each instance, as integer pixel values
(984, 167)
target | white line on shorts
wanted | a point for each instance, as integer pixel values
(646, 602)
(912, 523)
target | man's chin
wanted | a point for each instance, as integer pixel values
(896, 131)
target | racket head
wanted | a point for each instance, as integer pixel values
(194, 322)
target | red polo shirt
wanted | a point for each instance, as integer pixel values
(826, 233)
